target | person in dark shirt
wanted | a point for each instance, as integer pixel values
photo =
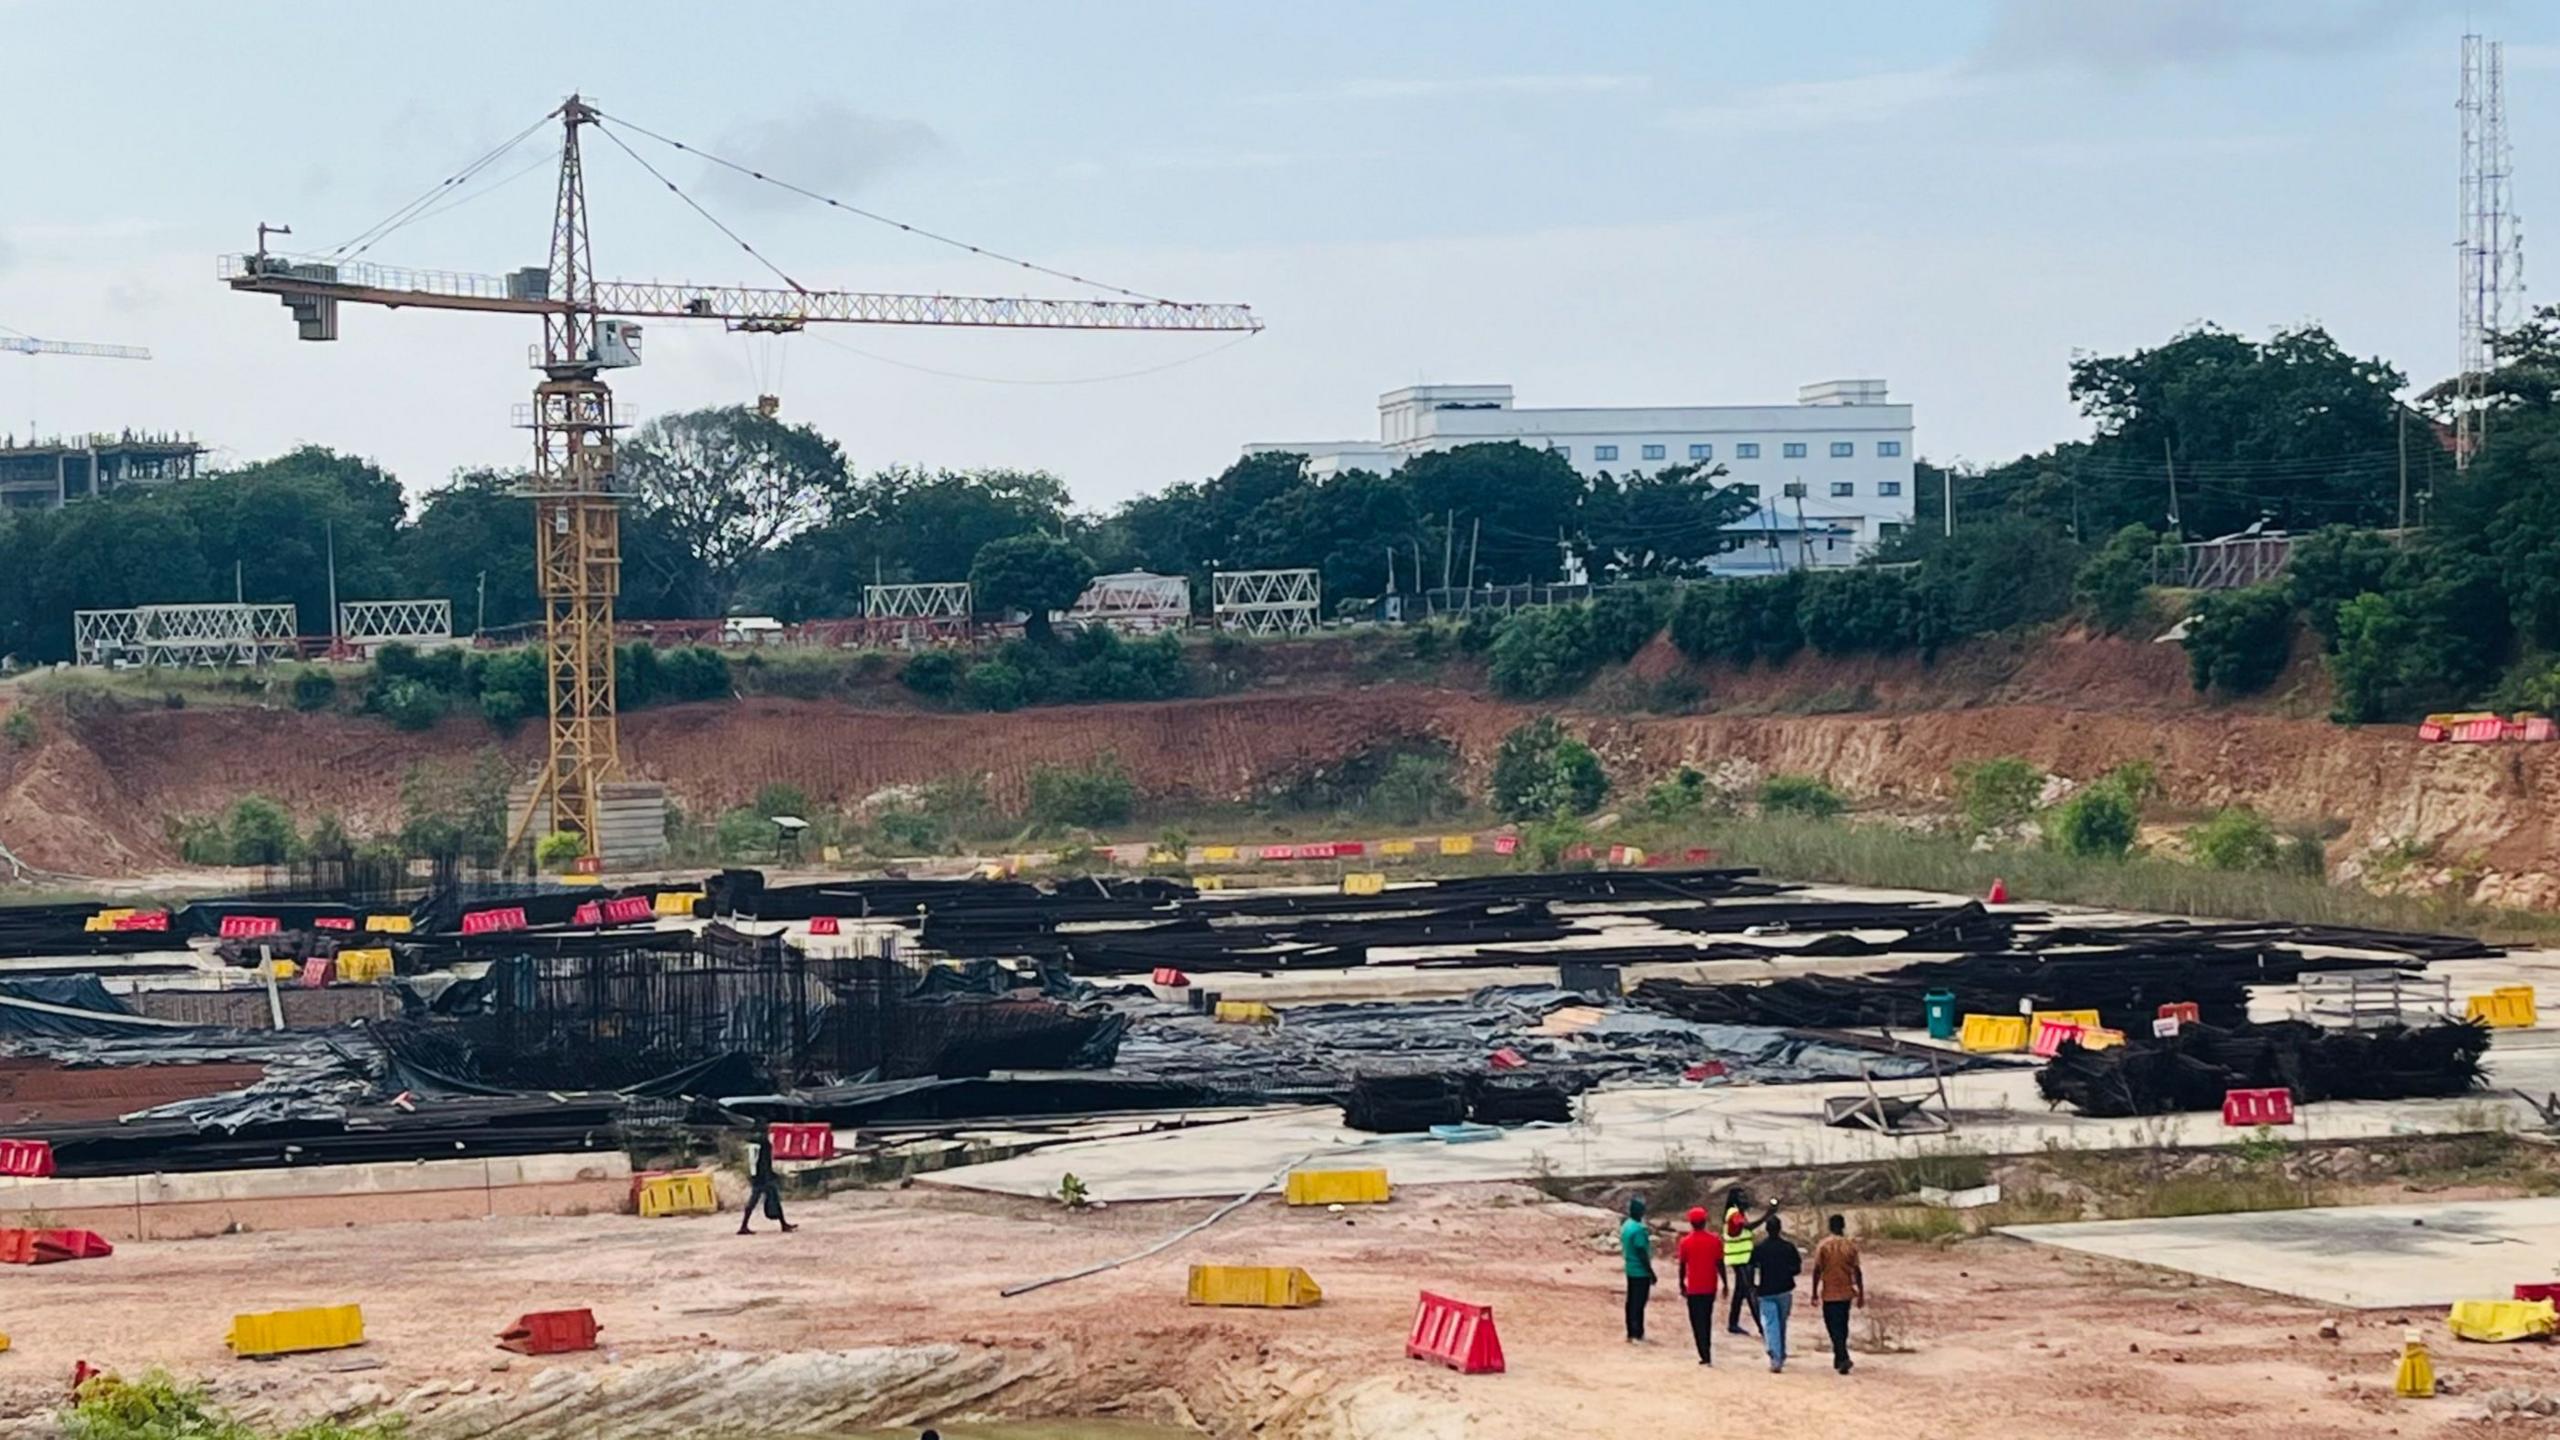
(1635, 1247)
(1701, 1264)
(1774, 1264)
(763, 1184)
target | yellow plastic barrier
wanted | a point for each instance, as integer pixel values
(677, 904)
(2414, 1378)
(1367, 882)
(2102, 1039)
(1337, 1187)
(1457, 844)
(2509, 1007)
(1208, 882)
(2502, 1320)
(686, 1194)
(1246, 1012)
(105, 919)
(1988, 1034)
(1395, 847)
(288, 1332)
(1217, 854)
(4, 1342)
(1270, 1287)
(388, 924)
(285, 969)
(1163, 857)
(363, 967)
(2085, 1019)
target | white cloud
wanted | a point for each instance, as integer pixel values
(1826, 104)
(1461, 87)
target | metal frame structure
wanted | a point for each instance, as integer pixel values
(214, 635)
(910, 615)
(102, 637)
(2490, 252)
(2230, 563)
(1502, 599)
(1133, 602)
(367, 623)
(1267, 602)
(578, 552)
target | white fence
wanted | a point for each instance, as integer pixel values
(1133, 603)
(104, 637)
(370, 624)
(1267, 602)
(185, 635)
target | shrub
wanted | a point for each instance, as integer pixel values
(1860, 610)
(408, 704)
(1099, 794)
(1414, 788)
(1739, 621)
(329, 840)
(1681, 797)
(779, 798)
(2237, 639)
(2110, 583)
(2331, 566)
(559, 850)
(742, 833)
(1543, 653)
(1541, 772)
(1804, 795)
(2236, 838)
(258, 832)
(1992, 575)
(504, 709)
(1476, 633)
(934, 674)
(909, 832)
(1998, 794)
(314, 689)
(1622, 620)
(19, 729)
(1099, 665)
(199, 841)
(635, 675)
(451, 811)
(693, 672)
(515, 684)
(994, 685)
(2101, 821)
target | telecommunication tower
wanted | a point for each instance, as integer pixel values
(2491, 250)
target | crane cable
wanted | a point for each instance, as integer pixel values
(872, 215)
(696, 206)
(365, 239)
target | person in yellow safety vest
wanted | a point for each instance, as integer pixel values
(1739, 1242)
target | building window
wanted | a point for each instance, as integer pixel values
(1653, 452)
(1843, 449)
(1604, 452)
(1564, 452)
(1747, 450)
(1795, 450)
(1888, 529)
(1888, 487)
(1843, 489)
(1889, 448)
(1702, 452)
(1751, 490)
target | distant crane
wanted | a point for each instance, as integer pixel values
(577, 529)
(30, 345)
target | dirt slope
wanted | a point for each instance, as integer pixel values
(96, 793)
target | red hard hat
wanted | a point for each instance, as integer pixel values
(1697, 1215)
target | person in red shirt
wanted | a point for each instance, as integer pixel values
(1701, 1261)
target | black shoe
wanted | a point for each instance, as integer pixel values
(788, 1227)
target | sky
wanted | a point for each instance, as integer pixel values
(1599, 203)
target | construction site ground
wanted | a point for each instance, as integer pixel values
(884, 1311)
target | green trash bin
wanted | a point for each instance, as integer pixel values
(1940, 1006)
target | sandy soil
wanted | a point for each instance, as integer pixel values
(706, 1330)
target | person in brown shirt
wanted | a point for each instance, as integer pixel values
(1837, 1281)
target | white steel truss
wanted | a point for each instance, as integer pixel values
(214, 635)
(938, 600)
(1267, 602)
(371, 622)
(103, 637)
(1133, 602)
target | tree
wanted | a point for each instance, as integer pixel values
(479, 524)
(2102, 820)
(2237, 640)
(1031, 573)
(2331, 566)
(1670, 523)
(2236, 838)
(1348, 529)
(2111, 583)
(728, 483)
(2003, 572)
(1999, 793)
(1516, 508)
(1546, 652)
(1541, 772)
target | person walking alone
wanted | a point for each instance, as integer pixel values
(1837, 1282)
(1701, 1262)
(1774, 1263)
(1635, 1244)
(763, 1184)
(1738, 1241)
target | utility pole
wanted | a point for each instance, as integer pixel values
(1804, 542)
(2403, 438)
(480, 619)
(1473, 535)
(239, 593)
(1418, 586)
(1448, 545)
(1947, 477)
(329, 529)
(2171, 463)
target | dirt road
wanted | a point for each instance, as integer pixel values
(884, 1310)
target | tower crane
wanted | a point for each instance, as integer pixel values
(588, 327)
(30, 345)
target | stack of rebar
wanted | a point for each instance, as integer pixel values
(2195, 1068)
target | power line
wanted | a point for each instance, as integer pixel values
(365, 239)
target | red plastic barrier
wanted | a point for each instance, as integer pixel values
(590, 913)
(1316, 850)
(2544, 1291)
(1704, 1070)
(317, 973)
(2432, 733)
(825, 925)
(29, 1159)
(1507, 1058)
(2257, 1107)
(1578, 851)
(551, 1332)
(804, 1142)
(247, 927)
(333, 922)
(486, 922)
(627, 909)
(1279, 852)
(1456, 1334)
(2185, 1012)
(2051, 1035)
(2482, 731)
(1506, 844)
(1168, 976)
(2534, 729)
(145, 920)
(1698, 855)
(47, 1247)
(1350, 849)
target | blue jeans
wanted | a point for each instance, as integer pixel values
(1774, 1310)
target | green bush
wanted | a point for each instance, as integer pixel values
(516, 684)
(1861, 610)
(199, 840)
(2236, 838)
(1681, 797)
(257, 831)
(693, 672)
(994, 685)
(1098, 794)
(329, 840)
(902, 831)
(2333, 565)
(314, 689)
(2100, 820)
(635, 675)
(559, 850)
(2110, 584)
(1740, 621)
(1541, 772)
(1414, 788)
(19, 729)
(1098, 666)
(2237, 640)
(155, 1407)
(1623, 620)
(456, 811)
(1804, 795)
(1998, 794)
(504, 709)
(407, 703)
(1991, 575)
(742, 834)
(934, 674)
(1543, 653)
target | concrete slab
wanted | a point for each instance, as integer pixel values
(2364, 1257)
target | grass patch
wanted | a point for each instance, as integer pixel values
(1917, 1225)
(2217, 1195)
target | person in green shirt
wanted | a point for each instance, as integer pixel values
(1635, 1244)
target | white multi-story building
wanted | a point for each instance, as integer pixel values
(1832, 472)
